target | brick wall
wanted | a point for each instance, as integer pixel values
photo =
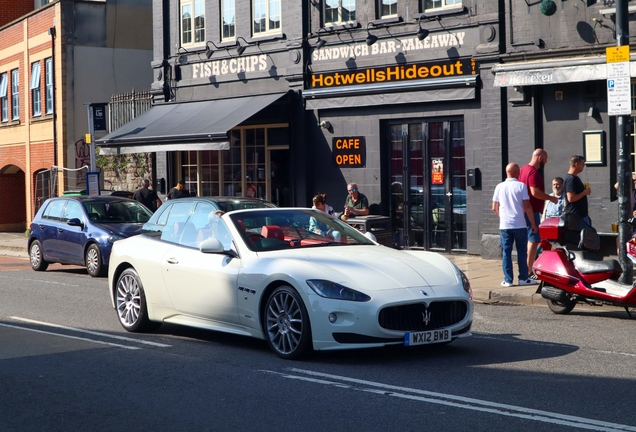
(12, 197)
(14, 9)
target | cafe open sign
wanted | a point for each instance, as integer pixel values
(349, 152)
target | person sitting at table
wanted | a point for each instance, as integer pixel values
(320, 228)
(356, 203)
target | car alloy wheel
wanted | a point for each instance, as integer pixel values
(36, 258)
(94, 261)
(130, 302)
(287, 324)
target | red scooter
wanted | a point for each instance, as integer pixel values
(571, 270)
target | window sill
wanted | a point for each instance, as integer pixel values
(267, 37)
(41, 118)
(10, 123)
(384, 21)
(334, 27)
(432, 13)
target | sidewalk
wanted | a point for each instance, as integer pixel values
(485, 275)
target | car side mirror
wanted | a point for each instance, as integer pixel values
(214, 246)
(211, 245)
(75, 222)
(370, 236)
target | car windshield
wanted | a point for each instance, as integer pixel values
(286, 228)
(230, 205)
(124, 211)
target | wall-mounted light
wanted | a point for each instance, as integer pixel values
(181, 56)
(592, 112)
(371, 39)
(240, 48)
(209, 51)
(421, 33)
(320, 42)
(325, 124)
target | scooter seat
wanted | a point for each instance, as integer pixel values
(586, 264)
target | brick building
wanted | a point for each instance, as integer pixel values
(414, 100)
(54, 59)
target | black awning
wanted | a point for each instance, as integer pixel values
(201, 125)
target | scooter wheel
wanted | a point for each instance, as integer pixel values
(561, 307)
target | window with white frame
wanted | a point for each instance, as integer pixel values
(15, 95)
(339, 11)
(441, 4)
(192, 22)
(36, 96)
(48, 65)
(4, 101)
(266, 16)
(228, 19)
(388, 8)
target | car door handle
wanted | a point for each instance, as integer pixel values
(60, 230)
(42, 227)
(173, 261)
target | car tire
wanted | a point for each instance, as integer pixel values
(36, 257)
(130, 303)
(561, 307)
(93, 260)
(286, 324)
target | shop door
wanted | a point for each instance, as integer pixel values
(428, 185)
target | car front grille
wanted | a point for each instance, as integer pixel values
(418, 317)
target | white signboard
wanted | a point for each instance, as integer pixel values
(619, 96)
(619, 91)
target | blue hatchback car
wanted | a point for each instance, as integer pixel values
(81, 230)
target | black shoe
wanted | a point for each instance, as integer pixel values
(533, 276)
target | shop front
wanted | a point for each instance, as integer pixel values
(410, 114)
(227, 147)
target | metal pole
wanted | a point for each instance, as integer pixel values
(91, 132)
(625, 182)
(53, 33)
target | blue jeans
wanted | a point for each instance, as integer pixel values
(533, 237)
(520, 237)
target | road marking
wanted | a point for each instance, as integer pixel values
(70, 337)
(452, 400)
(91, 332)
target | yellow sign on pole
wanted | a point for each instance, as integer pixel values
(617, 54)
(87, 139)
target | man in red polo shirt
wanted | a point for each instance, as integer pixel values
(533, 180)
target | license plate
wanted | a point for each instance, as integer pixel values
(427, 337)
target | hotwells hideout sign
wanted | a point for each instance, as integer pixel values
(349, 152)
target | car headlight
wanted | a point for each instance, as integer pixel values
(466, 284)
(113, 238)
(332, 290)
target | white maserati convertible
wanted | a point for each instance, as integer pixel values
(297, 278)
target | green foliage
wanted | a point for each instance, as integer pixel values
(122, 163)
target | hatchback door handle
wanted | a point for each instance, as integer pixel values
(173, 261)
(60, 230)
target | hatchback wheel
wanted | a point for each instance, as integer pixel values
(35, 256)
(130, 300)
(286, 324)
(93, 261)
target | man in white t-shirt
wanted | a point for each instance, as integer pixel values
(511, 202)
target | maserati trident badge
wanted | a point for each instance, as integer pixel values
(426, 317)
